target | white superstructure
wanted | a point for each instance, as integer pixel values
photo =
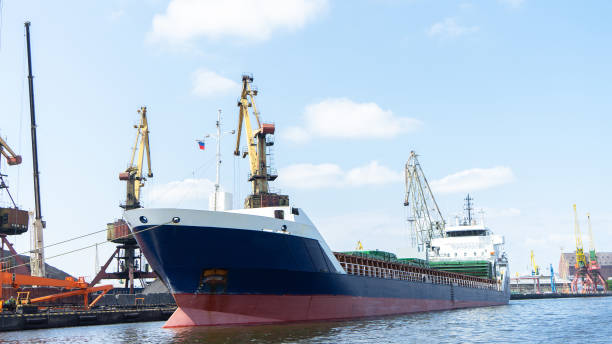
(468, 242)
(471, 240)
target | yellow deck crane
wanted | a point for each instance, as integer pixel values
(258, 142)
(128, 255)
(594, 267)
(582, 273)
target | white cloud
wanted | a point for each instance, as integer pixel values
(177, 192)
(344, 118)
(473, 179)
(512, 3)
(310, 176)
(372, 174)
(207, 83)
(185, 20)
(450, 28)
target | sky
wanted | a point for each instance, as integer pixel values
(506, 100)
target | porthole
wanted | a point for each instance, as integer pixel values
(176, 219)
(144, 219)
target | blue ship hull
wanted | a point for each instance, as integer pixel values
(234, 276)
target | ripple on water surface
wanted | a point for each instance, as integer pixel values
(525, 321)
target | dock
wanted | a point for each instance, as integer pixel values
(532, 296)
(68, 318)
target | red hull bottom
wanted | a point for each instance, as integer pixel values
(213, 310)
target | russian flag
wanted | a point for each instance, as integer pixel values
(201, 144)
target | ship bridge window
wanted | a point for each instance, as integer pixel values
(476, 232)
(279, 214)
(295, 211)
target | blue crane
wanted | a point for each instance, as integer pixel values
(553, 288)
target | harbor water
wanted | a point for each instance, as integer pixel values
(576, 320)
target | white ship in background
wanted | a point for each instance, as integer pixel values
(470, 247)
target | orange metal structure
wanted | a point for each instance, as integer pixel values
(81, 287)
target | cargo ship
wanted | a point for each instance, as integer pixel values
(268, 263)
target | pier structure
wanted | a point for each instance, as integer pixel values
(130, 265)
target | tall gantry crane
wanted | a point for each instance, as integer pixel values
(13, 221)
(582, 266)
(424, 215)
(129, 258)
(594, 267)
(258, 143)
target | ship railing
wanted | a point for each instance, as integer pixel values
(387, 273)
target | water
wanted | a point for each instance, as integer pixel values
(581, 320)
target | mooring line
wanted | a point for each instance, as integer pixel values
(90, 246)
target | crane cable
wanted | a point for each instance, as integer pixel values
(85, 247)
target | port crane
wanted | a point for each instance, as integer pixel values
(424, 215)
(582, 266)
(128, 255)
(594, 267)
(37, 257)
(553, 287)
(13, 221)
(258, 143)
(535, 269)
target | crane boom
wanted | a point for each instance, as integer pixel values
(37, 261)
(580, 258)
(133, 174)
(425, 217)
(592, 254)
(9, 154)
(243, 115)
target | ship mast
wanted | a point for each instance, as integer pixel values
(37, 264)
(218, 138)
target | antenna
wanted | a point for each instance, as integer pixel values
(468, 208)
